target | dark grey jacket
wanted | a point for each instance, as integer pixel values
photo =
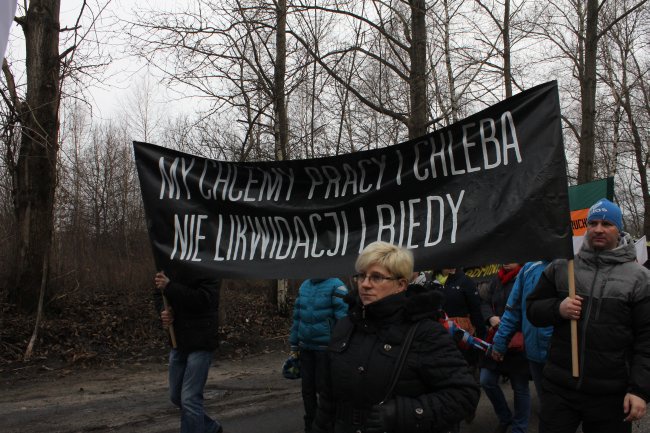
(614, 326)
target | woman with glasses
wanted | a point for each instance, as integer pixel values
(433, 390)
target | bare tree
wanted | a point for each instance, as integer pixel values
(230, 55)
(34, 172)
(233, 44)
(281, 123)
(512, 27)
(625, 73)
(69, 202)
(447, 96)
(142, 113)
(34, 107)
(457, 62)
(575, 28)
(391, 39)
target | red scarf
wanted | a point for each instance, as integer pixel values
(506, 276)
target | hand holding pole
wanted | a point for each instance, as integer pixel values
(161, 280)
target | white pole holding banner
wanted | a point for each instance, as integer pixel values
(7, 14)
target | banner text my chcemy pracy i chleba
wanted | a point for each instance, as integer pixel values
(490, 188)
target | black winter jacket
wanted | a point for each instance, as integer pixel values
(195, 307)
(614, 326)
(461, 299)
(435, 389)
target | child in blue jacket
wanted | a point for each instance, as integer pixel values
(318, 306)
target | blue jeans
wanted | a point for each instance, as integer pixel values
(519, 383)
(188, 373)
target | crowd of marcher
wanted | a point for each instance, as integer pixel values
(408, 352)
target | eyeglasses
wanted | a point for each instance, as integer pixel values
(373, 278)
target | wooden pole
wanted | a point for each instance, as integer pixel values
(574, 324)
(172, 334)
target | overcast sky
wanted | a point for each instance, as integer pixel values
(122, 77)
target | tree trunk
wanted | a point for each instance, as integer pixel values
(588, 96)
(35, 172)
(453, 98)
(284, 309)
(418, 86)
(39, 313)
(641, 163)
(507, 73)
(281, 125)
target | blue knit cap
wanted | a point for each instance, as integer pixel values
(608, 211)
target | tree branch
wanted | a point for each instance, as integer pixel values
(380, 109)
(613, 23)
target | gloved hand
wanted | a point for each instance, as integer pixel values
(382, 419)
(294, 352)
(458, 335)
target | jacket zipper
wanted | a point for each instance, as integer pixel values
(600, 293)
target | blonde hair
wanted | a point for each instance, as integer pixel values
(398, 261)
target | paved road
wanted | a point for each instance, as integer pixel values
(248, 396)
(287, 418)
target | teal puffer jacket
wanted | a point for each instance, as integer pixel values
(318, 306)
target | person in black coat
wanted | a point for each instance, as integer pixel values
(514, 363)
(193, 311)
(462, 304)
(434, 390)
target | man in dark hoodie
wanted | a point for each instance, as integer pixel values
(612, 308)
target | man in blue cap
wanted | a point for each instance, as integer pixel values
(612, 310)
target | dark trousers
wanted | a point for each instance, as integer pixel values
(536, 372)
(313, 371)
(564, 409)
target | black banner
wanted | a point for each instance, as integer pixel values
(489, 189)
